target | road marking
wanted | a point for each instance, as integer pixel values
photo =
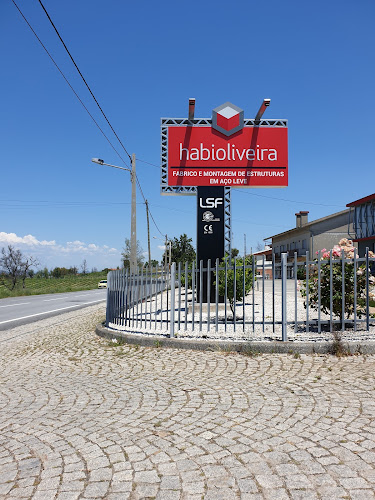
(48, 312)
(21, 304)
(49, 300)
(67, 296)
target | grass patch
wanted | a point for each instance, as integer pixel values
(250, 351)
(338, 348)
(69, 283)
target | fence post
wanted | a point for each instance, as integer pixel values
(367, 290)
(173, 282)
(283, 296)
(108, 309)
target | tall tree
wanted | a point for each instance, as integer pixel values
(182, 249)
(126, 254)
(14, 266)
(84, 267)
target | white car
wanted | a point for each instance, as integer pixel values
(102, 284)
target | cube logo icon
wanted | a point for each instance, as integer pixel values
(227, 119)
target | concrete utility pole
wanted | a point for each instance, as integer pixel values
(133, 237)
(133, 226)
(148, 235)
(165, 254)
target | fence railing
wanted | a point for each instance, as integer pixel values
(236, 299)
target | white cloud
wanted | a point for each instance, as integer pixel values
(161, 247)
(75, 243)
(28, 240)
(63, 254)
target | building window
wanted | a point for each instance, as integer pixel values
(364, 220)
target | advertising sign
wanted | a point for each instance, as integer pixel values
(227, 152)
(210, 229)
(210, 223)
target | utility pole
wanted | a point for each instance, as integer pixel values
(148, 235)
(170, 254)
(165, 254)
(133, 226)
(133, 237)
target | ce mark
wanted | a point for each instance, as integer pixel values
(208, 229)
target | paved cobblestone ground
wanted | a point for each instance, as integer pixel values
(81, 418)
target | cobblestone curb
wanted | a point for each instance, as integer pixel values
(288, 347)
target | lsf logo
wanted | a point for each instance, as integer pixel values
(210, 202)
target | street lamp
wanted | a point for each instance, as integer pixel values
(133, 236)
(170, 251)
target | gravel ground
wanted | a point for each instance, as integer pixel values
(84, 418)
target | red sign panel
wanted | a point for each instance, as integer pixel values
(252, 157)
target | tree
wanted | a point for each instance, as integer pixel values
(84, 267)
(59, 272)
(228, 283)
(181, 249)
(43, 273)
(125, 254)
(154, 263)
(234, 252)
(15, 266)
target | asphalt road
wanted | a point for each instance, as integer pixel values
(15, 311)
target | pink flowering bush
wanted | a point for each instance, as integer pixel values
(344, 249)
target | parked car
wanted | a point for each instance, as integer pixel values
(102, 284)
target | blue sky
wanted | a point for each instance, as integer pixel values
(143, 60)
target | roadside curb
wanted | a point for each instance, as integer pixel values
(248, 347)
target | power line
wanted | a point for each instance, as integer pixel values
(84, 81)
(67, 81)
(45, 203)
(148, 163)
(235, 219)
(81, 102)
(97, 103)
(283, 199)
(259, 195)
(149, 211)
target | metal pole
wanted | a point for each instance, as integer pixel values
(173, 283)
(343, 290)
(330, 292)
(319, 293)
(367, 290)
(295, 292)
(133, 238)
(355, 288)
(148, 235)
(283, 296)
(307, 291)
(165, 253)
(170, 253)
